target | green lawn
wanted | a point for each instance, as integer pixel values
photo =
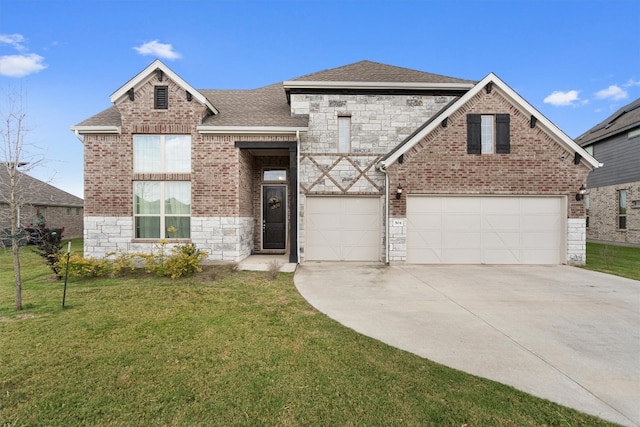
(222, 348)
(619, 260)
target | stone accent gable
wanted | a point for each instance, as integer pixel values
(536, 165)
(378, 124)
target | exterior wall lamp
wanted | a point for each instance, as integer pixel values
(399, 192)
(581, 193)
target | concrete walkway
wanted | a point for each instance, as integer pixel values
(562, 333)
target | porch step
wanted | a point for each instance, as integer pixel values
(263, 263)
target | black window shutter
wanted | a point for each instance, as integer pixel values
(161, 98)
(473, 134)
(503, 134)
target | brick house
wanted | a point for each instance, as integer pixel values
(613, 191)
(42, 202)
(365, 162)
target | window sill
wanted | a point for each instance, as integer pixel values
(168, 241)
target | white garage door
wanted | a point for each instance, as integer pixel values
(485, 230)
(342, 228)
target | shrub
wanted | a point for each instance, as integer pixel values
(84, 267)
(184, 260)
(49, 241)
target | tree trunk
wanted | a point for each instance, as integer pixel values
(15, 246)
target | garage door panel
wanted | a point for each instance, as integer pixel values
(502, 239)
(461, 239)
(462, 222)
(342, 228)
(456, 204)
(461, 256)
(485, 229)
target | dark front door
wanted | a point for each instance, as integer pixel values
(274, 217)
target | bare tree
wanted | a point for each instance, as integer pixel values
(16, 160)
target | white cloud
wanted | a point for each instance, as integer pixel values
(21, 65)
(559, 98)
(162, 50)
(613, 92)
(15, 40)
(631, 83)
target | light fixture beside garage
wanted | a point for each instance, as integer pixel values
(399, 192)
(581, 193)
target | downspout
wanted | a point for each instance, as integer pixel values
(298, 194)
(81, 139)
(383, 168)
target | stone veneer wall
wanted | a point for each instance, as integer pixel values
(223, 238)
(603, 214)
(378, 124)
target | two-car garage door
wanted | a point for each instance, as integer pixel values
(441, 229)
(485, 230)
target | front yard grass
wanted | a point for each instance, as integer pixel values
(221, 348)
(619, 260)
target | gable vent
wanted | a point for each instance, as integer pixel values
(161, 98)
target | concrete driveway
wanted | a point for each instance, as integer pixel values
(558, 332)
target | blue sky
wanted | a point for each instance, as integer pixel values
(576, 61)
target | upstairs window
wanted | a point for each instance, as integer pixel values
(161, 97)
(162, 153)
(488, 134)
(344, 134)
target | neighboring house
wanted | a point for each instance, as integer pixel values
(613, 191)
(313, 167)
(41, 202)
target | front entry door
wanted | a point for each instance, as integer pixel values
(274, 217)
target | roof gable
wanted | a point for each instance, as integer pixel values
(515, 99)
(145, 75)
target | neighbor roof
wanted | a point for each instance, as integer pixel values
(622, 120)
(36, 192)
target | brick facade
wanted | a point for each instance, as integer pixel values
(68, 217)
(603, 214)
(536, 165)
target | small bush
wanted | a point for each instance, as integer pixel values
(123, 264)
(184, 260)
(274, 269)
(49, 246)
(83, 268)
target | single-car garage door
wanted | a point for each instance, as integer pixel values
(485, 230)
(342, 228)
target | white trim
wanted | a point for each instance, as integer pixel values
(95, 129)
(300, 84)
(516, 100)
(147, 74)
(251, 130)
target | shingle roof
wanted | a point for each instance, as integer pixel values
(369, 71)
(266, 106)
(36, 192)
(109, 117)
(620, 121)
